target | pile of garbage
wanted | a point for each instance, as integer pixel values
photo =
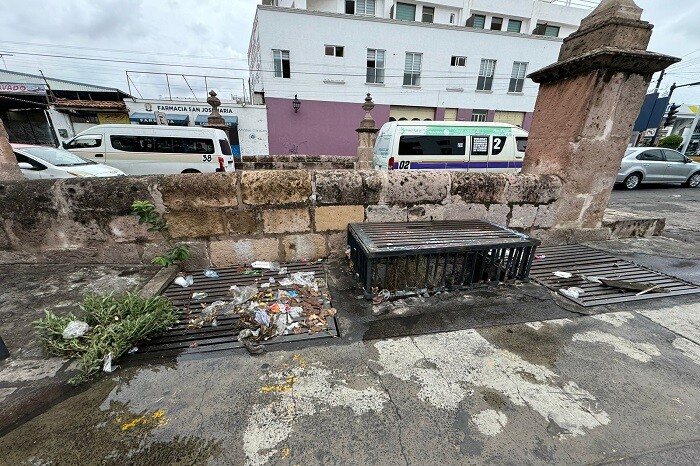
(293, 304)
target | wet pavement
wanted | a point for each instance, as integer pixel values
(515, 376)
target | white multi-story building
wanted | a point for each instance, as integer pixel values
(439, 60)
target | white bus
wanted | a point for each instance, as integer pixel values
(147, 150)
(450, 145)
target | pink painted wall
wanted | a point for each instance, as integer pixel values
(527, 121)
(464, 114)
(440, 114)
(318, 128)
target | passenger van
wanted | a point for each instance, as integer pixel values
(451, 145)
(147, 149)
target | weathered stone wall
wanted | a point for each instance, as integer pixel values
(236, 218)
(308, 162)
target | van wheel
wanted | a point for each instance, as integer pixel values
(632, 181)
(191, 170)
(693, 181)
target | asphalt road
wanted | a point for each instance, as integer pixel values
(514, 375)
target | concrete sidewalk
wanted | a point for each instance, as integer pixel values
(516, 375)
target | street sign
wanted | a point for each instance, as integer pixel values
(650, 132)
(161, 119)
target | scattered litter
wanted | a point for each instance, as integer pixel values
(211, 273)
(133, 350)
(647, 290)
(539, 257)
(75, 329)
(381, 296)
(562, 274)
(292, 293)
(273, 266)
(194, 345)
(210, 312)
(253, 348)
(184, 281)
(262, 317)
(634, 286)
(286, 282)
(265, 285)
(571, 292)
(248, 333)
(307, 279)
(593, 279)
(283, 270)
(198, 295)
(107, 364)
(295, 312)
(243, 294)
(250, 272)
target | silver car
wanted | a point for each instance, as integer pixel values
(41, 162)
(657, 165)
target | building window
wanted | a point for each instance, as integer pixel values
(476, 21)
(405, 12)
(517, 77)
(496, 23)
(458, 61)
(428, 14)
(375, 66)
(365, 7)
(479, 115)
(452, 18)
(411, 74)
(281, 60)
(544, 29)
(514, 25)
(485, 80)
(334, 50)
(350, 7)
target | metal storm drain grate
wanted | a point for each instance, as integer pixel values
(415, 257)
(620, 280)
(224, 335)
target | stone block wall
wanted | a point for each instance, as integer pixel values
(236, 218)
(294, 161)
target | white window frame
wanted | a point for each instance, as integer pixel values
(412, 69)
(334, 50)
(458, 60)
(376, 73)
(423, 13)
(278, 57)
(479, 115)
(517, 77)
(487, 70)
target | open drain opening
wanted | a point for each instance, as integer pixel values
(583, 260)
(183, 337)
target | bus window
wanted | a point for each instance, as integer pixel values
(521, 143)
(431, 145)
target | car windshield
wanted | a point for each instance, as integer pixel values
(57, 157)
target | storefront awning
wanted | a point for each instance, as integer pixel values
(174, 119)
(230, 120)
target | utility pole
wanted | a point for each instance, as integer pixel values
(658, 82)
(670, 93)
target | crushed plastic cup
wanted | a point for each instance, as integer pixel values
(211, 273)
(75, 329)
(562, 274)
(107, 364)
(184, 281)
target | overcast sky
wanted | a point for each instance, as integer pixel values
(215, 34)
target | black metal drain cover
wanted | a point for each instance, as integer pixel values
(180, 339)
(583, 260)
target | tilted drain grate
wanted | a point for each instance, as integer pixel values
(582, 260)
(224, 336)
(434, 256)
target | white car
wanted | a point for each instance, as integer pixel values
(657, 165)
(41, 162)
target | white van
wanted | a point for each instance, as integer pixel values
(147, 149)
(451, 145)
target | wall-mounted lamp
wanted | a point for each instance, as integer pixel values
(296, 103)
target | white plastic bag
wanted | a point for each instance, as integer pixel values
(184, 281)
(242, 294)
(75, 329)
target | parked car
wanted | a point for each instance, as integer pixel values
(41, 162)
(657, 165)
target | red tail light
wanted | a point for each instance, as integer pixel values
(391, 163)
(222, 167)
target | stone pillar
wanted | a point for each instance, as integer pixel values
(215, 118)
(586, 107)
(367, 135)
(8, 163)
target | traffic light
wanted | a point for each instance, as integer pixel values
(671, 117)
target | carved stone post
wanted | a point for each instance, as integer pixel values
(215, 118)
(8, 163)
(367, 135)
(586, 107)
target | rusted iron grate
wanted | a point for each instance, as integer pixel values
(180, 339)
(406, 258)
(582, 260)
